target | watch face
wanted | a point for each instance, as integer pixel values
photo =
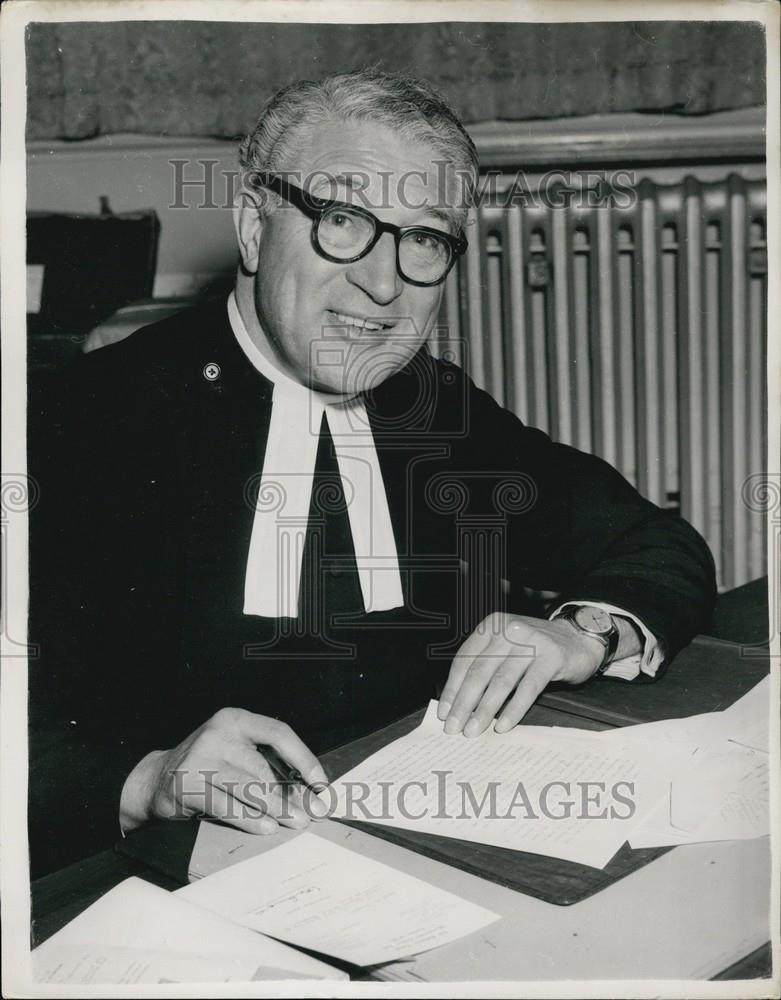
(594, 620)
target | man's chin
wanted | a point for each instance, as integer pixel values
(353, 386)
(365, 371)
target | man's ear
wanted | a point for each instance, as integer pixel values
(248, 221)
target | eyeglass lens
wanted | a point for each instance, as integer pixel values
(344, 234)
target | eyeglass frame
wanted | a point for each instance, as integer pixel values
(315, 208)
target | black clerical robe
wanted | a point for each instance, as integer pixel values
(149, 454)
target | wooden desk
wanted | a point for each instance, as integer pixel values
(709, 675)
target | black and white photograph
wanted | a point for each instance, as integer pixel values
(391, 499)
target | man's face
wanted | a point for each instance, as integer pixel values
(345, 327)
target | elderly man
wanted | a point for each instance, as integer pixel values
(279, 522)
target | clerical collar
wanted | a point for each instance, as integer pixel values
(274, 561)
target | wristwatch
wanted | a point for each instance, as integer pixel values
(597, 622)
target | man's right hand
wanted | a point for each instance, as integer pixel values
(219, 771)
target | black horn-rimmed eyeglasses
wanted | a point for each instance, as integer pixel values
(345, 233)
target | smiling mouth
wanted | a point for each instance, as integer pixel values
(361, 324)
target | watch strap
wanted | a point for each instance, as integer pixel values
(608, 639)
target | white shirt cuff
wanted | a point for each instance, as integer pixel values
(628, 667)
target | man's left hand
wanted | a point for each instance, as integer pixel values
(515, 657)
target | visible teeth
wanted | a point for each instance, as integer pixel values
(362, 324)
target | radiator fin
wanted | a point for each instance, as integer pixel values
(636, 331)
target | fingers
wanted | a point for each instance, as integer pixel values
(250, 797)
(500, 653)
(201, 787)
(299, 802)
(473, 685)
(508, 661)
(531, 686)
(264, 731)
(228, 809)
(500, 687)
(217, 771)
(462, 661)
(488, 683)
(267, 794)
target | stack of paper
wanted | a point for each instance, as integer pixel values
(574, 794)
(571, 793)
(567, 793)
(138, 933)
(323, 897)
(720, 791)
(306, 891)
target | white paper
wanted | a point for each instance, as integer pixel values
(320, 896)
(492, 789)
(720, 791)
(141, 933)
(658, 831)
(748, 720)
(83, 964)
(723, 795)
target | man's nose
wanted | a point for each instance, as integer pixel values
(376, 273)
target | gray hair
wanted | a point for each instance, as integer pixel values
(410, 107)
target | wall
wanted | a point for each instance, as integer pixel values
(210, 79)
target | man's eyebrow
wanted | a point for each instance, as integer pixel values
(440, 213)
(357, 181)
